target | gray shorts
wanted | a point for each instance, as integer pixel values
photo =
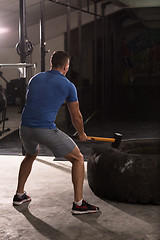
(57, 141)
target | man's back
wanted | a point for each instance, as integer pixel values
(46, 92)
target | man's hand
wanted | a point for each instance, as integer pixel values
(82, 137)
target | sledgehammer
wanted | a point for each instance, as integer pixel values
(115, 141)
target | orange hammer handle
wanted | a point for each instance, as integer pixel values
(102, 139)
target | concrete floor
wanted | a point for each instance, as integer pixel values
(48, 216)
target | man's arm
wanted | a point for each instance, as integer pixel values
(77, 119)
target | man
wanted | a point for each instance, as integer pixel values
(46, 92)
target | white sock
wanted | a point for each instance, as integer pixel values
(79, 203)
(20, 194)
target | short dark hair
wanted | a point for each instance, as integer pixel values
(59, 59)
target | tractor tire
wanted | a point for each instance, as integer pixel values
(128, 174)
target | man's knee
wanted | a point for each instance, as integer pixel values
(75, 156)
(80, 158)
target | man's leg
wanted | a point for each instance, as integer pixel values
(24, 171)
(80, 206)
(77, 160)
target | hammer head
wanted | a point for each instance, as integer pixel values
(116, 143)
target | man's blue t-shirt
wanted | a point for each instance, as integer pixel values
(46, 92)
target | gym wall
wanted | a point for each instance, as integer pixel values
(54, 34)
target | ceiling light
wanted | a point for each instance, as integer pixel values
(4, 30)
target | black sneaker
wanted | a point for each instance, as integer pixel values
(17, 200)
(84, 208)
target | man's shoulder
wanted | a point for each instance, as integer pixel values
(37, 75)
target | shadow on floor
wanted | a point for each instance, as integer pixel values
(42, 227)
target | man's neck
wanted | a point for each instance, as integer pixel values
(58, 69)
